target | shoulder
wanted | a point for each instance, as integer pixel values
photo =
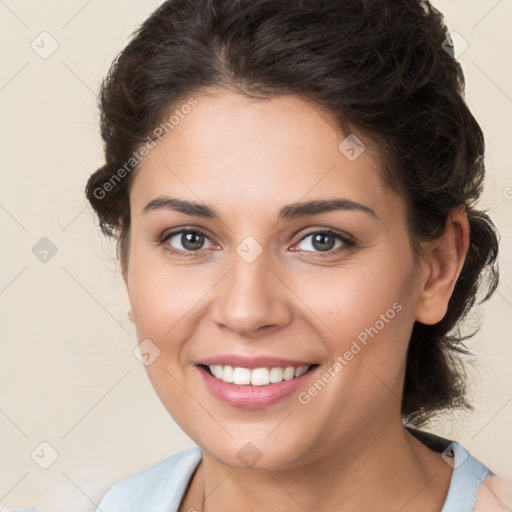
(495, 495)
(153, 489)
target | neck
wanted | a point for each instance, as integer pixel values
(376, 470)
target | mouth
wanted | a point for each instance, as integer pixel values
(255, 386)
(264, 376)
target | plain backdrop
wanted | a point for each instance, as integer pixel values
(68, 375)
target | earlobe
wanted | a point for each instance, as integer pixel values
(443, 263)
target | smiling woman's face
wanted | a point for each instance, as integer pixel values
(260, 286)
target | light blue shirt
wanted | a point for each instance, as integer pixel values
(161, 487)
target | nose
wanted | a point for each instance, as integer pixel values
(252, 299)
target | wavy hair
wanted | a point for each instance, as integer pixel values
(383, 69)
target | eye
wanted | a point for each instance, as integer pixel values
(185, 241)
(325, 240)
(191, 242)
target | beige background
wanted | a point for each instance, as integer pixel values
(68, 376)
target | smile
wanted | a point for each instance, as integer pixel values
(256, 376)
(256, 383)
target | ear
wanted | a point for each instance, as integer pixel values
(443, 261)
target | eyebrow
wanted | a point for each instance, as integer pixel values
(288, 212)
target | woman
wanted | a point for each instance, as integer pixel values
(292, 186)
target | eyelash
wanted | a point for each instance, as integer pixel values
(347, 242)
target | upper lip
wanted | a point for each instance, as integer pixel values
(252, 362)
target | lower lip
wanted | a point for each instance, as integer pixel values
(253, 397)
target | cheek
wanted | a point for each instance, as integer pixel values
(365, 319)
(161, 295)
(163, 301)
(350, 301)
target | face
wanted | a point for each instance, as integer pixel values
(250, 277)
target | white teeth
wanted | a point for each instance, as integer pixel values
(257, 376)
(227, 374)
(217, 371)
(260, 377)
(289, 373)
(301, 370)
(241, 376)
(276, 375)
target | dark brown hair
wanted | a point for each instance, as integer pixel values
(382, 68)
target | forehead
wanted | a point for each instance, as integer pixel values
(254, 153)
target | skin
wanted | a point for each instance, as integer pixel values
(247, 159)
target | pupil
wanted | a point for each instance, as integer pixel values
(319, 242)
(192, 241)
